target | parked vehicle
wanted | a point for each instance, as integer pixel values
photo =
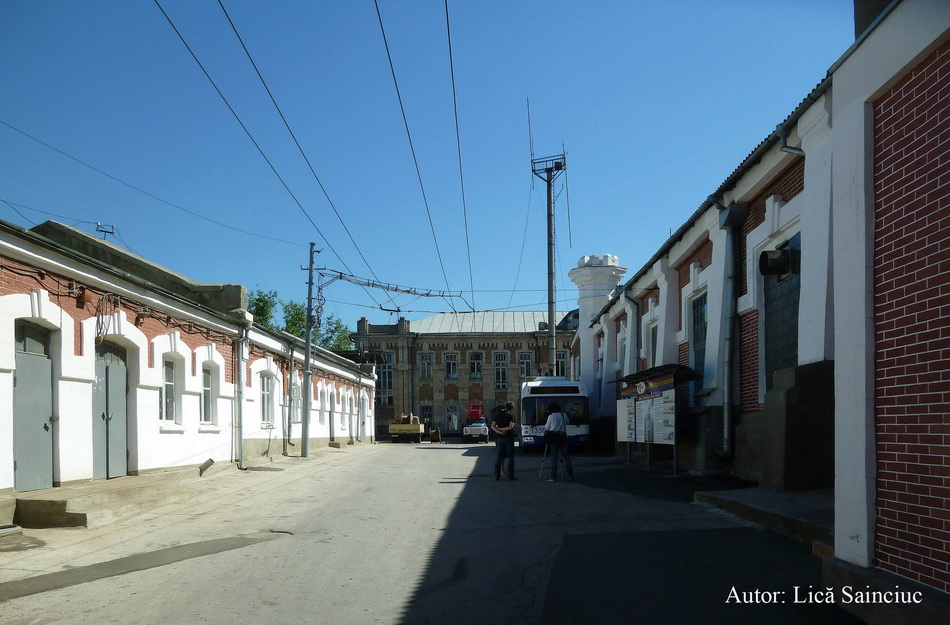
(476, 431)
(407, 428)
(536, 394)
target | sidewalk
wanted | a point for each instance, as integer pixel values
(804, 516)
(205, 505)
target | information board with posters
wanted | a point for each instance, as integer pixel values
(646, 411)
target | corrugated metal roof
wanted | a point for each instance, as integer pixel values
(483, 322)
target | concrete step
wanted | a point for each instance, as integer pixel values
(39, 513)
(97, 502)
(806, 517)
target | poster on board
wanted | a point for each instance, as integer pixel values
(627, 419)
(646, 412)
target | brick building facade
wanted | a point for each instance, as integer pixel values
(437, 367)
(113, 366)
(809, 293)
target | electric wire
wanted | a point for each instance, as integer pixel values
(18, 212)
(524, 239)
(144, 192)
(567, 193)
(296, 142)
(248, 133)
(458, 142)
(412, 149)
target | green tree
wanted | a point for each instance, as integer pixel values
(262, 305)
(295, 318)
(334, 335)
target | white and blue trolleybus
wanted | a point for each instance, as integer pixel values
(537, 393)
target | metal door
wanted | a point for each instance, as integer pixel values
(32, 411)
(110, 413)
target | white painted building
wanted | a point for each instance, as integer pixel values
(810, 291)
(110, 366)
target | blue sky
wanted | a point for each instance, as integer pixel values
(656, 103)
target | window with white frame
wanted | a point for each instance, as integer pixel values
(267, 398)
(384, 384)
(451, 366)
(425, 366)
(501, 370)
(525, 362)
(621, 339)
(475, 362)
(169, 397)
(296, 403)
(560, 364)
(208, 393)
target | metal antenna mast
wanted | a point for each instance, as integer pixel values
(548, 169)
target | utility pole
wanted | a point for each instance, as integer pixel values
(548, 169)
(307, 368)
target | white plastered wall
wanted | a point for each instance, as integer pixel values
(904, 38)
(71, 385)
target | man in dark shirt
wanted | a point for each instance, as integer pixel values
(503, 425)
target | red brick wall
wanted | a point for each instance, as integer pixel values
(787, 184)
(82, 302)
(701, 255)
(749, 362)
(912, 327)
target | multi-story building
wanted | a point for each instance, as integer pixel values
(439, 366)
(809, 294)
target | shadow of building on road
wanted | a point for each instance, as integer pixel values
(521, 552)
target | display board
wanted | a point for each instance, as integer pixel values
(646, 412)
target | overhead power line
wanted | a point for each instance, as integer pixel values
(412, 149)
(144, 192)
(294, 137)
(249, 135)
(458, 142)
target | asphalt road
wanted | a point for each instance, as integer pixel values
(412, 534)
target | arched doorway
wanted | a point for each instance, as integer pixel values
(32, 409)
(110, 412)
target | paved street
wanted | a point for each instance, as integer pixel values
(408, 534)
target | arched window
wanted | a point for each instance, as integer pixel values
(267, 398)
(210, 373)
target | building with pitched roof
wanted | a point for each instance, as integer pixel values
(440, 366)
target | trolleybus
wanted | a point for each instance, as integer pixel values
(537, 393)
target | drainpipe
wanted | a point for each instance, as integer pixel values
(730, 220)
(239, 408)
(635, 344)
(289, 424)
(634, 348)
(783, 131)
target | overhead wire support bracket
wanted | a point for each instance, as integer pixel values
(333, 275)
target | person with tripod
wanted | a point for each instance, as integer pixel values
(555, 437)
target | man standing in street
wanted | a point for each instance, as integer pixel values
(503, 425)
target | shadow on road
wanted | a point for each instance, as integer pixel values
(511, 554)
